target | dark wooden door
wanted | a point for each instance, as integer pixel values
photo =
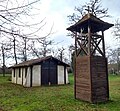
(53, 72)
(45, 73)
(49, 72)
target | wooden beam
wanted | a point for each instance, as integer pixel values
(96, 45)
(31, 75)
(103, 43)
(89, 40)
(64, 74)
(82, 49)
(22, 74)
(75, 65)
(75, 44)
(82, 46)
(98, 49)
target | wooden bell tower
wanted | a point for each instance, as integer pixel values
(91, 75)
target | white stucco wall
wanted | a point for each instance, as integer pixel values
(67, 81)
(60, 70)
(19, 79)
(24, 78)
(36, 78)
(13, 78)
(16, 75)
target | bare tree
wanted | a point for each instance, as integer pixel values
(44, 47)
(24, 48)
(116, 30)
(61, 53)
(5, 47)
(17, 23)
(14, 40)
(3, 57)
(11, 14)
(45, 43)
(71, 49)
(93, 6)
(115, 55)
(114, 58)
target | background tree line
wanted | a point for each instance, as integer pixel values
(20, 34)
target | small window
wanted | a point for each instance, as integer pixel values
(19, 72)
(14, 72)
(25, 72)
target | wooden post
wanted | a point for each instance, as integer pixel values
(31, 76)
(22, 74)
(89, 40)
(107, 78)
(64, 74)
(103, 43)
(103, 46)
(16, 75)
(75, 64)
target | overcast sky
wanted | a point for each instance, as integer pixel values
(56, 11)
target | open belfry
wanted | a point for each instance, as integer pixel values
(90, 71)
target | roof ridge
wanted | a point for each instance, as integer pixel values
(35, 61)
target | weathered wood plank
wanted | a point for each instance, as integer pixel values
(91, 79)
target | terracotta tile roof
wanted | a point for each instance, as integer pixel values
(35, 61)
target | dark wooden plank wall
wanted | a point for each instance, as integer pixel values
(83, 84)
(99, 79)
(49, 72)
(91, 79)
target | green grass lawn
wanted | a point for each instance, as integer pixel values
(53, 98)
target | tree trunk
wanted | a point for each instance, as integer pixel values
(25, 49)
(15, 56)
(3, 56)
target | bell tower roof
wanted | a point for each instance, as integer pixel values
(89, 19)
